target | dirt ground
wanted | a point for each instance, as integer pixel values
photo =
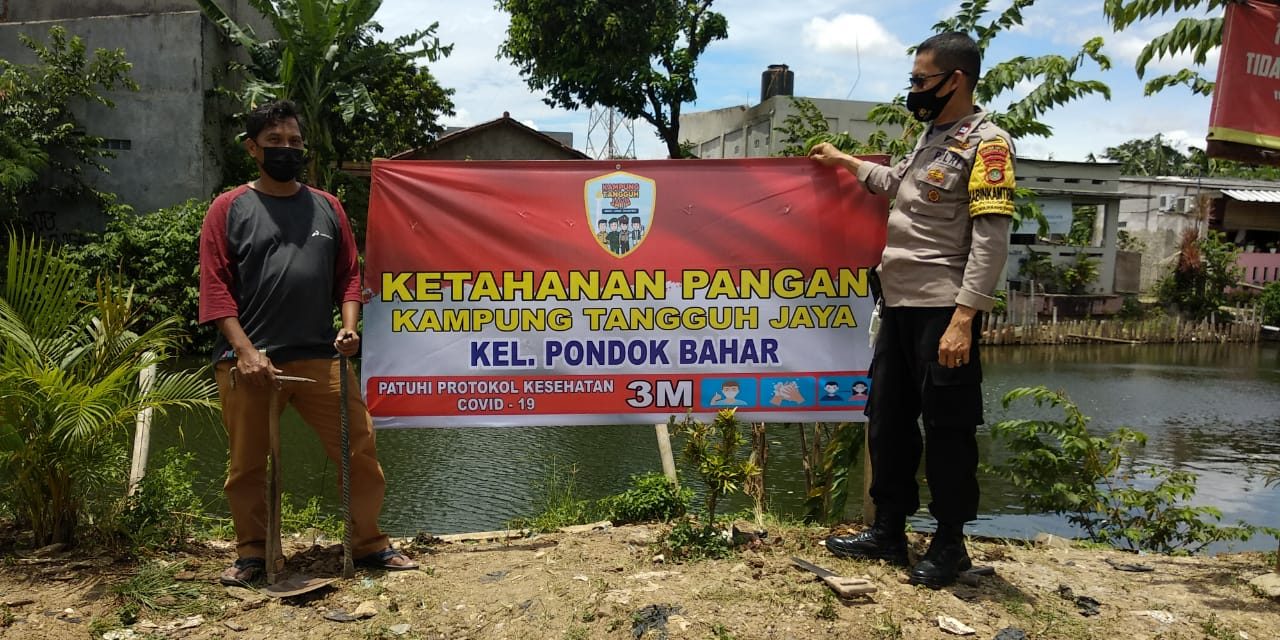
(605, 583)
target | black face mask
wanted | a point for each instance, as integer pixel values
(283, 164)
(926, 105)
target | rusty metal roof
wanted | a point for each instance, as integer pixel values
(1253, 195)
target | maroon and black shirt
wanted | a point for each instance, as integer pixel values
(280, 265)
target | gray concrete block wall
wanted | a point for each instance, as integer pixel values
(164, 121)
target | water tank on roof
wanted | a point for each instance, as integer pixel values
(777, 80)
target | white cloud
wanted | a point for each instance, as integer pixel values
(853, 33)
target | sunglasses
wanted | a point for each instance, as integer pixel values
(918, 81)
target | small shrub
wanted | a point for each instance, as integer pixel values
(652, 497)
(162, 513)
(689, 539)
(1270, 303)
(309, 517)
(716, 450)
(158, 255)
(1058, 466)
(1131, 309)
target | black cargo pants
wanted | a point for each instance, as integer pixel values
(908, 383)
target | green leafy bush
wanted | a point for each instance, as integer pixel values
(158, 255)
(652, 497)
(716, 450)
(1059, 467)
(690, 539)
(831, 453)
(162, 513)
(1270, 303)
(1206, 266)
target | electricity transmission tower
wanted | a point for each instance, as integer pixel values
(610, 135)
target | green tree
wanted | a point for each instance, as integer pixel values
(801, 126)
(1155, 156)
(1197, 36)
(159, 254)
(358, 96)
(715, 449)
(39, 136)
(636, 56)
(1053, 75)
(69, 390)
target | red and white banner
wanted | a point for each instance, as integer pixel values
(1246, 100)
(582, 292)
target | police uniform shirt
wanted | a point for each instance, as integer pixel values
(948, 235)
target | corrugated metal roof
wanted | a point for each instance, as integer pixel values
(1252, 195)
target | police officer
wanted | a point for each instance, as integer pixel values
(948, 239)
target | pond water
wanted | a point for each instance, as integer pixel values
(1211, 409)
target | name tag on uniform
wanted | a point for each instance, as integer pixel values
(949, 158)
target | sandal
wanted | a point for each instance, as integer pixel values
(244, 571)
(387, 559)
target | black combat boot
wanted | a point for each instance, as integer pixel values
(885, 540)
(944, 560)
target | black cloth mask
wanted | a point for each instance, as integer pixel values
(926, 105)
(283, 164)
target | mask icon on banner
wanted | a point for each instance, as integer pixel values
(283, 164)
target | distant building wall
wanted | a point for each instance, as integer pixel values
(751, 132)
(1156, 215)
(495, 144)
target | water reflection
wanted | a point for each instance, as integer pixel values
(1213, 409)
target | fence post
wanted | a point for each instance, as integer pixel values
(142, 430)
(664, 452)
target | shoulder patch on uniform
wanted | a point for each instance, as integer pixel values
(991, 182)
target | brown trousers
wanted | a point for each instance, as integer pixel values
(244, 414)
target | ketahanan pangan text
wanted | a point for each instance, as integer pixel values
(693, 284)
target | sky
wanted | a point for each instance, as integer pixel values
(837, 49)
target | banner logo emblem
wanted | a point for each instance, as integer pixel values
(620, 209)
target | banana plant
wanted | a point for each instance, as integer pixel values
(322, 55)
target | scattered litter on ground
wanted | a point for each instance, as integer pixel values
(1086, 605)
(951, 625)
(654, 616)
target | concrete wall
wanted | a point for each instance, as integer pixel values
(175, 131)
(38, 10)
(1158, 229)
(751, 132)
(170, 126)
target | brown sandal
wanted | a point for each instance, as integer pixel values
(388, 559)
(244, 571)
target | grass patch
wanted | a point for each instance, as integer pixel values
(1215, 629)
(559, 503)
(293, 519)
(887, 628)
(154, 589)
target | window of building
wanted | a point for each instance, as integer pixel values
(116, 144)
